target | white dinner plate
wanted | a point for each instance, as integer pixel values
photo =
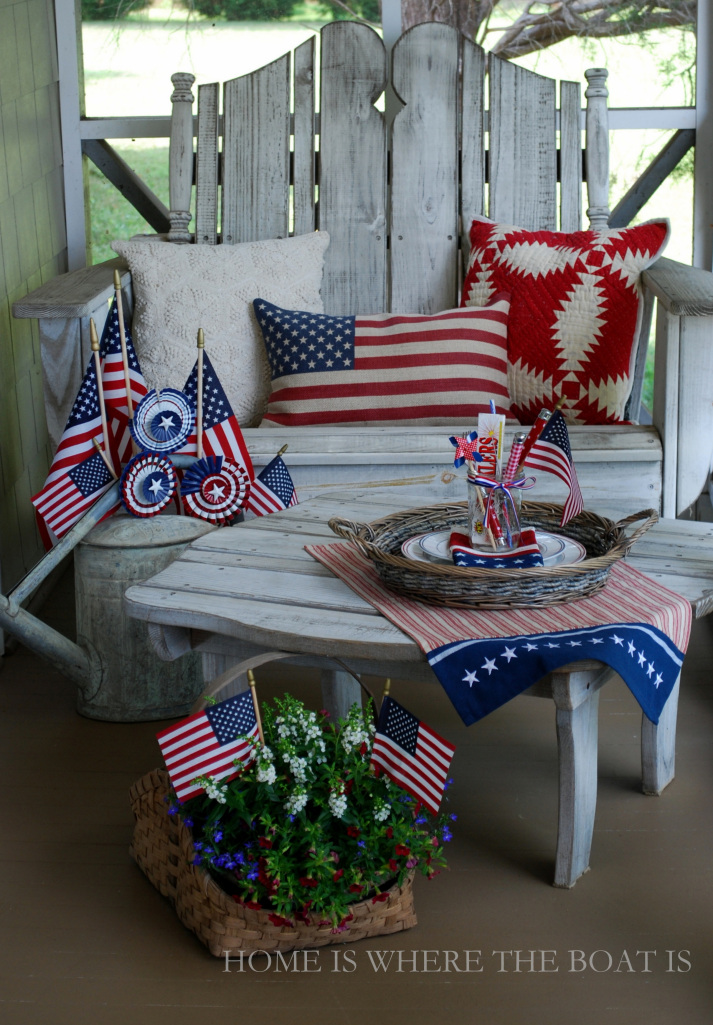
(433, 547)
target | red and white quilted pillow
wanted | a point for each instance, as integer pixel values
(575, 312)
(386, 368)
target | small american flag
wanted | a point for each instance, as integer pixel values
(75, 446)
(273, 489)
(114, 380)
(61, 503)
(384, 368)
(411, 754)
(221, 432)
(551, 452)
(209, 743)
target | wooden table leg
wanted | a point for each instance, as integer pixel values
(658, 746)
(339, 692)
(576, 697)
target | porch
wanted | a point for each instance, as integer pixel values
(88, 940)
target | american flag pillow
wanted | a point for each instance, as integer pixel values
(386, 368)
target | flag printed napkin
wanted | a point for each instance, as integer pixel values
(526, 554)
(485, 658)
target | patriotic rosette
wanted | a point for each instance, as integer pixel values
(162, 421)
(215, 489)
(147, 484)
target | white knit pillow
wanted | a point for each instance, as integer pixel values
(179, 288)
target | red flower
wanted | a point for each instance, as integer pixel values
(379, 897)
(402, 850)
(338, 874)
(363, 749)
(254, 905)
(390, 832)
(307, 881)
(355, 888)
(264, 842)
(279, 920)
(393, 865)
(353, 831)
(348, 787)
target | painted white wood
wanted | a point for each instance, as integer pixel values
(703, 166)
(666, 399)
(71, 108)
(303, 150)
(658, 747)
(642, 346)
(683, 291)
(180, 157)
(570, 157)
(597, 147)
(207, 163)
(695, 416)
(523, 152)
(472, 141)
(256, 155)
(352, 180)
(339, 692)
(577, 741)
(424, 191)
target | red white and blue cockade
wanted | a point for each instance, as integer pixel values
(162, 421)
(147, 484)
(215, 489)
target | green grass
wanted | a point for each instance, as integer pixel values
(112, 217)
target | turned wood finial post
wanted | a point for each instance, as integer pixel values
(180, 156)
(597, 133)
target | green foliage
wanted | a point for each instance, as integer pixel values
(106, 10)
(111, 215)
(308, 828)
(245, 10)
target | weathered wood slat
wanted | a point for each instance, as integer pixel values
(472, 140)
(424, 192)
(666, 411)
(352, 182)
(303, 150)
(523, 152)
(683, 291)
(256, 155)
(695, 419)
(570, 157)
(207, 158)
(77, 294)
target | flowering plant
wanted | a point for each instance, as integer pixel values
(308, 828)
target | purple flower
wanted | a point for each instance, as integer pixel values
(421, 820)
(198, 860)
(218, 835)
(253, 874)
(187, 821)
(453, 817)
(446, 834)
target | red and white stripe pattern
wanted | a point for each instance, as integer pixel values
(65, 500)
(411, 754)
(551, 453)
(209, 743)
(221, 431)
(386, 368)
(629, 596)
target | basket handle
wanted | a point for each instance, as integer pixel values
(240, 668)
(349, 529)
(650, 517)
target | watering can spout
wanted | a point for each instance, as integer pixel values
(64, 654)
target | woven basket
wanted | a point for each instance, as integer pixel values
(163, 849)
(461, 587)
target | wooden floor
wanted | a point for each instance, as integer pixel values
(85, 939)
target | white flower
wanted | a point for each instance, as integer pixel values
(297, 800)
(266, 773)
(382, 810)
(337, 803)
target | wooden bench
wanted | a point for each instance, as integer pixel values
(397, 200)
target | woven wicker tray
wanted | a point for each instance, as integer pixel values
(460, 587)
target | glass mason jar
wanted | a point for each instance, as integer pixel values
(502, 530)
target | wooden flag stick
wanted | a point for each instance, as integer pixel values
(387, 688)
(105, 458)
(124, 354)
(199, 409)
(100, 387)
(251, 681)
(122, 339)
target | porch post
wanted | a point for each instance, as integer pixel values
(703, 174)
(68, 26)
